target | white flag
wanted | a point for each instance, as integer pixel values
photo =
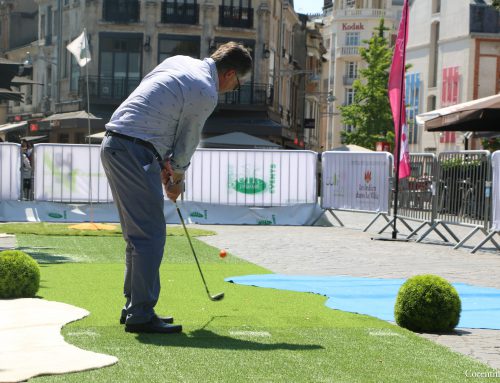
(80, 49)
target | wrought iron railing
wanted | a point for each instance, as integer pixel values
(179, 12)
(349, 80)
(249, 94)
(112, 89)
(238, 17)
(121, 11)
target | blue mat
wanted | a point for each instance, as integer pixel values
(376, 297)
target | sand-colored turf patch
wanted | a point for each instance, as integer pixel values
(32, 344)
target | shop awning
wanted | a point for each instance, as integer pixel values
(481, 115)
(237, 140)
(13, 126)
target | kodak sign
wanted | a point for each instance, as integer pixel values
(353, 27)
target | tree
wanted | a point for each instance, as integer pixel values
(370, 112)
(496, 4)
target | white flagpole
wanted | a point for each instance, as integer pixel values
(89, 130)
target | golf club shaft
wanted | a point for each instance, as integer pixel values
(192, 249)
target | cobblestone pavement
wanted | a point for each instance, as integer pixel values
(350, 251)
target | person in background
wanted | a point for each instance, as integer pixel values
(149, 141)
(26, 168)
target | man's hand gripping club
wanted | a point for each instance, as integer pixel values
(173, 183)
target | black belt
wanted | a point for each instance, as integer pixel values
(136, 140)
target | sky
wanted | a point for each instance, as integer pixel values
(308, 6)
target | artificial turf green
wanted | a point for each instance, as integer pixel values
(253, 335)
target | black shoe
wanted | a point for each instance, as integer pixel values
(123, 318)
(156, 325)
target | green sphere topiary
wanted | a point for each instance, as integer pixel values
(427, 303)
(19, 275)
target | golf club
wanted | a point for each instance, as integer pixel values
(216, 297)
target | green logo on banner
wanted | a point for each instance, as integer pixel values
(264, 222)
(267, 221)
(197, 214)
(55, 215)
(249, 185)
(252, 185)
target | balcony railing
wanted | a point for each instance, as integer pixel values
(484, 19)
(108, 89)
(249, 94)
(121, 11)
(179, 12)
(362, 13)
(347, 51)
(349, 80)
(237, 17)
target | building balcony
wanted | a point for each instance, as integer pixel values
(484, 19)
(121, 11)
(362, 13)
(349, 80)
(236, 17)
(107, 90)
(179, 13)
(348, 51)
(250, 94)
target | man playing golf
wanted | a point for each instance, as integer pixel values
(150, 140)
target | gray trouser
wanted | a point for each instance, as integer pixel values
(134, 178)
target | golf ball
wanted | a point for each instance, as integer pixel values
(222, 253)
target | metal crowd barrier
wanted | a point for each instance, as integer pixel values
(416, 199)
(259, 178)
(463, 180)
(356, 181)
(494, 227)
(69, 173)
(10, 171)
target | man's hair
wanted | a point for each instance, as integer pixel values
(232, 55)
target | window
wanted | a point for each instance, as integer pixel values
(42, 26)
(63, 138)
(65, 60)
(450, 86)
(349, 128)
(79, 138)
(171, 45)
(120, 61)
(179, 11)
(431, 103)
(352, 39)
(350, 4)
(75, 74)
(349, 96)
(412, 100)
(436, 6)
(28, 95)
(351, 69)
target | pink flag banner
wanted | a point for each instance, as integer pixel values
(397, 96)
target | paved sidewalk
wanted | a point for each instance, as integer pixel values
(350, 251)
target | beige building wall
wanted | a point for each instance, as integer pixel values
(440, 39)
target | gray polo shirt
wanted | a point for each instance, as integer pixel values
(170, 107)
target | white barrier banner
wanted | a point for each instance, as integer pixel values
(495, 191)
(70, 173)
(10, 171)
(252, 177)
(356, 181)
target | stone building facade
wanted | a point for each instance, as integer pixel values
(128, 38)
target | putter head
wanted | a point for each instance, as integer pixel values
(217, 297)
